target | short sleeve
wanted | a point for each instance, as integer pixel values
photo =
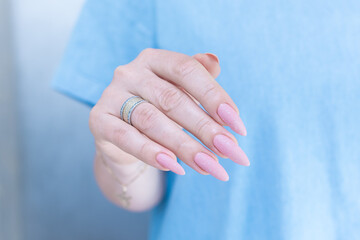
(107, 34)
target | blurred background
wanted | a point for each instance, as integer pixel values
(47, 188)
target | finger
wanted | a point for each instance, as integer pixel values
(131, 141)
(210, 62)
(158, 127)
(186, 71)
(179, 107)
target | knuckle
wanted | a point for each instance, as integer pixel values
(119, 136)
(144, 117)
(120, 74)
(147, 52)
(186, 67)
(184, 146)
(203, 126)
(145, 149)
(94, 118)
(210, 91)
(98, 124)
(124, 75)
(169, 99)
(120, 71)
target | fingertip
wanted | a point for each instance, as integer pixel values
(213, 57)
(210, 62)
(170, 163)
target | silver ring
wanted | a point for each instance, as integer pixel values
(128, 107)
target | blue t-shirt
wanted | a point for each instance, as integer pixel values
(293, 69)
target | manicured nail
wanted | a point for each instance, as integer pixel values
(230, 149)
(231, 118)
(167, 162)
(210, 165)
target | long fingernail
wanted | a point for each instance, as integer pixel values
(167, 162)
(230, 149)
(210, 165)
(231, 118)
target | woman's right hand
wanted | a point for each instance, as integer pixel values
(173, 84)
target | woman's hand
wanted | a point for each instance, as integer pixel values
(173, 84)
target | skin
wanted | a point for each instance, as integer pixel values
(174, 85)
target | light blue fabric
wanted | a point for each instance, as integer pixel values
(293, 69)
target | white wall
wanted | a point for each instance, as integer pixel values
(60, 198)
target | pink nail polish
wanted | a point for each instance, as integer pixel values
(230, 149)
(167, 162)
(210, 165)
(231, 118)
